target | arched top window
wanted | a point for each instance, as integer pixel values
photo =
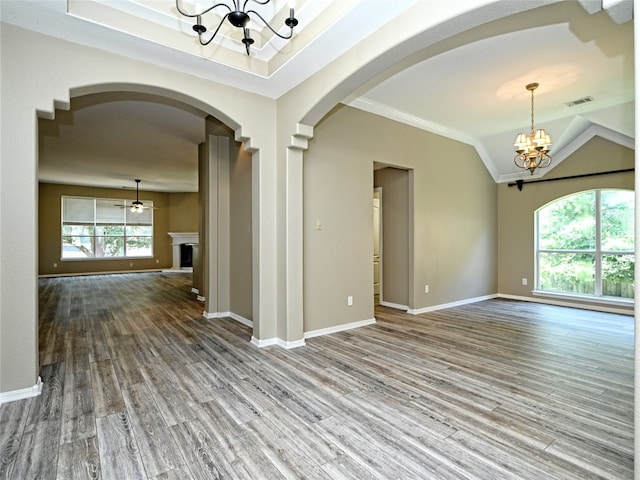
(585, 245)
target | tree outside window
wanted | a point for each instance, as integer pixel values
(585, 244)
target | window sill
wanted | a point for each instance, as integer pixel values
(621, 302)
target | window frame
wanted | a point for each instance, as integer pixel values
(95, 226)
(597, 252)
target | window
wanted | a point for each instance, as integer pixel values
(585, 244)
(105, 228)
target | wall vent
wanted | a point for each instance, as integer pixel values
(579, 101)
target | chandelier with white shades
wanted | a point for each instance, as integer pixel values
(533, 149)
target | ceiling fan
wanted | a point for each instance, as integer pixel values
(137, 206)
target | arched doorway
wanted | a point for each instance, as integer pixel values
(128, 138)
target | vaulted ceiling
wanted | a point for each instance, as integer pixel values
(470, 87)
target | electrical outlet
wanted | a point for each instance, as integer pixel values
(131, 264)
(157, 260)
(55, 265)
(349, 300)
(524, 281)
(426, 289)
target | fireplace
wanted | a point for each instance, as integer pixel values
(182, 244)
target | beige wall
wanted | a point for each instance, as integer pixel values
(240, 248)
(183, 212)
(453, 245)
(176, 212)
(338, 258)
(516, 208)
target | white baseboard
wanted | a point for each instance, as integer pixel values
(12, 396)
(397, 306)
(547, 301)
(442, 306)
(211, 315)
(234, 316)
(81, 274)
(261, 343)
(563, 303)
(239, 318)
(269, 342)
(339, 328)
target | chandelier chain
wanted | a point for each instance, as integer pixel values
(532, 127)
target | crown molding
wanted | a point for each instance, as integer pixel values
(423, 124)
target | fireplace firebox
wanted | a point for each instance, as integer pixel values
(186, 255)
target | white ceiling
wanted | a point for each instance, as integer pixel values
(471, 88)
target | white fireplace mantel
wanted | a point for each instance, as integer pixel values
(179, 238)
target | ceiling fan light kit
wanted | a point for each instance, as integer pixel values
(532, 151)
(239, 17)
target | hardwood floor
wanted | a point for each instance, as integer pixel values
(138, 385)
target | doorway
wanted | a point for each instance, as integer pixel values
(393, 232)
(377, 245)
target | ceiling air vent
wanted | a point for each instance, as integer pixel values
(580, 101)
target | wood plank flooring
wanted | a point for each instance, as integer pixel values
(138, 385)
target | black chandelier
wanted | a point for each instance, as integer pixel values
(238, 17)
